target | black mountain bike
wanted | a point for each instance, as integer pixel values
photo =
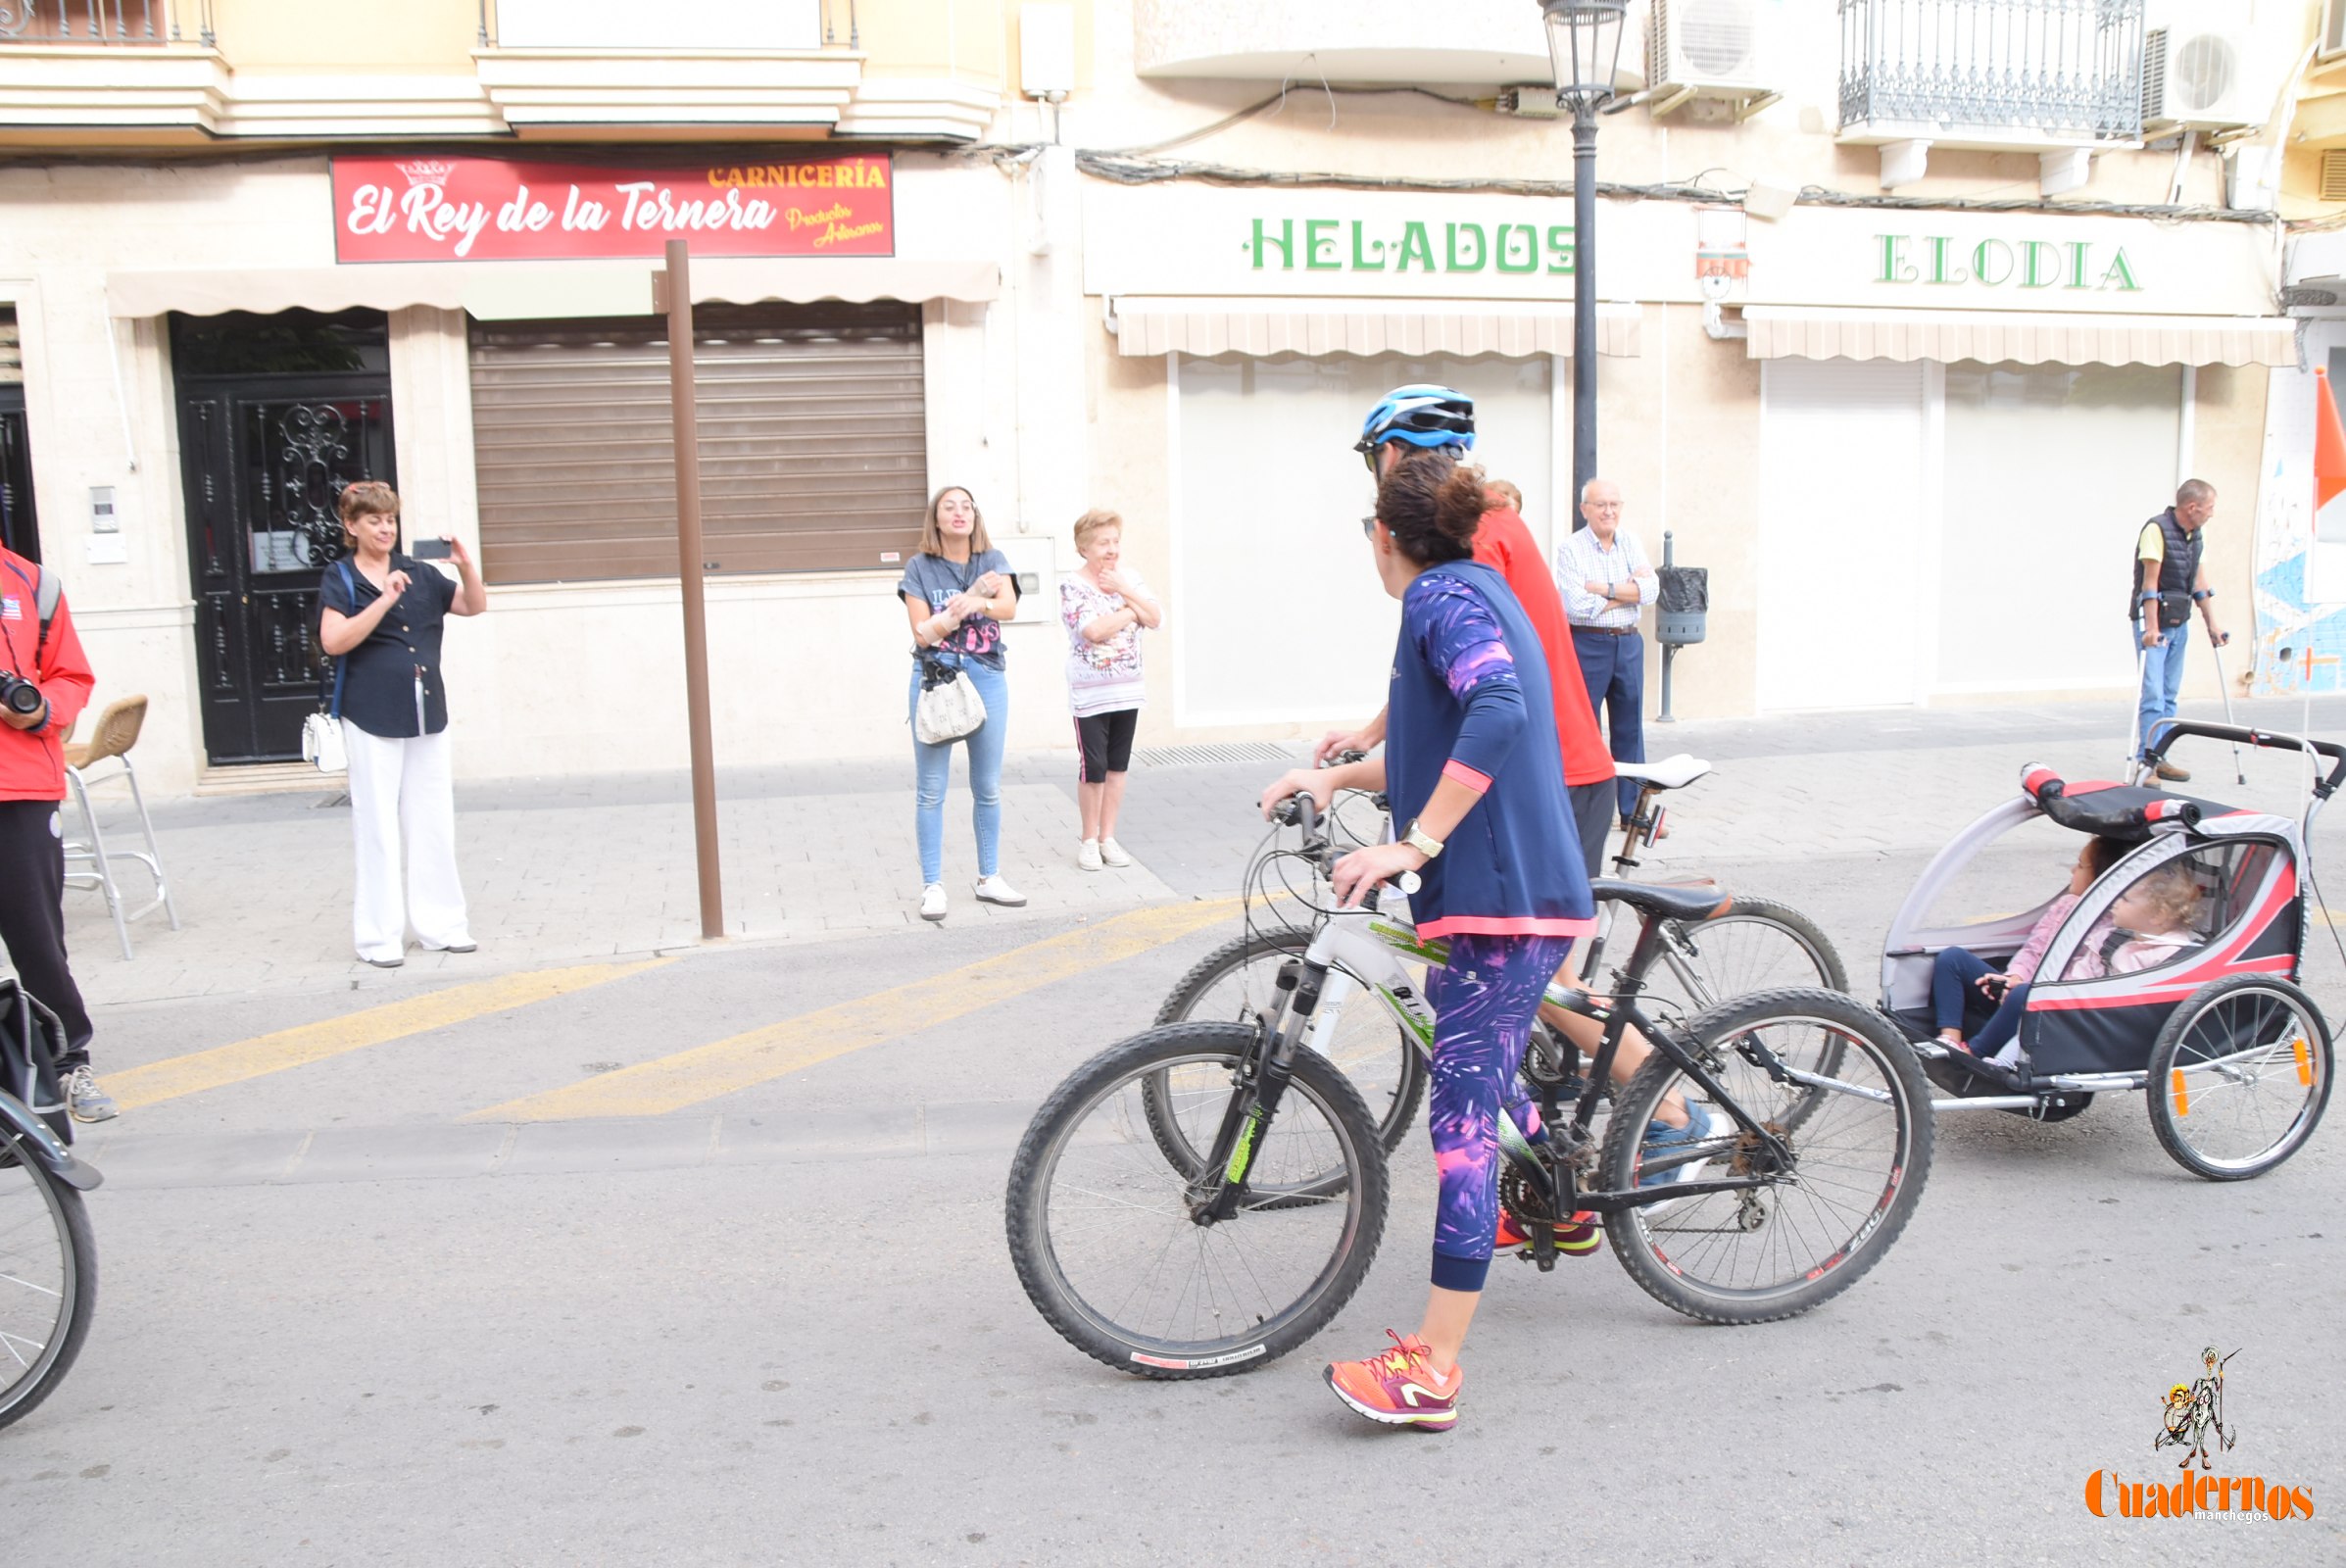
(1203, 1197)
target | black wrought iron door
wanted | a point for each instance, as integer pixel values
(19, 528)
(265, 461)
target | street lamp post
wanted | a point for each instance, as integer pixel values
(1584, 46)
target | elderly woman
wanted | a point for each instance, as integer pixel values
(381, 615)
(957, 590)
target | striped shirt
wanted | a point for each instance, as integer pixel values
(1582, 561)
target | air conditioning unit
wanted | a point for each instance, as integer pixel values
(1707, 49)
(2197, 78)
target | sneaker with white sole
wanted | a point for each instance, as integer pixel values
(995, 890)
(1113, 854)
(932, 901)
(1086, 858)
(84, 1098)
(1663, 1140)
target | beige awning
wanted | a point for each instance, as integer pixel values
(518, 290)
(1162, 324)
(2018, 337)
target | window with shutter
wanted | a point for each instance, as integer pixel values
(813, 445)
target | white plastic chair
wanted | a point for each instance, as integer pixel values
(117, 732)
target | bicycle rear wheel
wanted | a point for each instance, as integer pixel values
(2239, 1077)
(1101, 1224)
(1757, 945)
(1237, 982)
(1860, 1154)
(48, 1280)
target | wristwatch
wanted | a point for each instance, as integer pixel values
(1418, 839)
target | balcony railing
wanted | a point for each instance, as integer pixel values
(2060, 69)
(134, 23)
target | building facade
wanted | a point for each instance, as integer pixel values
(1904, 372)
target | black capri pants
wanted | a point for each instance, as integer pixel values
(1106, 741)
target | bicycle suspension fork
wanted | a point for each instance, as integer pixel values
(1263, 1077)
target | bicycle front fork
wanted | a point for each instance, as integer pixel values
(1263, 1076)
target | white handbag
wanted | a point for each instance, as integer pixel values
(949, 706)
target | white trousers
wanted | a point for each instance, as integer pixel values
(402, 794)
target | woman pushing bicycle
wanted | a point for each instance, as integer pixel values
(1470, 762)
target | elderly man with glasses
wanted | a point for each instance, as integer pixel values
(1606, 584)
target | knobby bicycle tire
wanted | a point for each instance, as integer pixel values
(78, 1249)
(1862, 1172)
(1259, 1335)
(1270, 949)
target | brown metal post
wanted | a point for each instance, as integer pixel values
(688, 570)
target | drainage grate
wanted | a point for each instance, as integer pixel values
(1206, 756)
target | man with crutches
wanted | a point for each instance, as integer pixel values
(2170, 578)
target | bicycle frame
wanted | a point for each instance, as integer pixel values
(1366, 947)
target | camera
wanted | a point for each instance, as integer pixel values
(19, 696)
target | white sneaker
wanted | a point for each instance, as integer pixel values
(994, 890)
(1114, 853)
(932, 901)
(1086, 858)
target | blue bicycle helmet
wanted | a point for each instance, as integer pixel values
(1434, 416)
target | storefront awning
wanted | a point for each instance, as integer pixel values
(1150, 324)
(518, 290)
(2019, 337)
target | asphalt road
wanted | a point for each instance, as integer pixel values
(340, 1323)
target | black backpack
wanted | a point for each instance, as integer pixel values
(31, 1041)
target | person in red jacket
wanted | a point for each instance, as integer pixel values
(39, 649)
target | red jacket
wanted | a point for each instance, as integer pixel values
(1505, 543)
(32, 760)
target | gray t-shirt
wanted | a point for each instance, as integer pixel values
(934, 580)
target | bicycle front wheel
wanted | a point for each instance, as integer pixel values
(1103, 1229)
(1859, 1155)
(48, 1280)
(1238, 982)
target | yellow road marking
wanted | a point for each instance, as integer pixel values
(711, 1071)
(263, 1054)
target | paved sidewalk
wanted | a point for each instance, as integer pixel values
(584, 868)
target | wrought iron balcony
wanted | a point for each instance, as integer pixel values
(1993, 73)
(138, 24)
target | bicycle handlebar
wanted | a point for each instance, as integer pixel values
(2176, 729)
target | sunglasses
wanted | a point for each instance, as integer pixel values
(1368, 526)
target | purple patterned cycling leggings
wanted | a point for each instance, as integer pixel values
(1483, 1003)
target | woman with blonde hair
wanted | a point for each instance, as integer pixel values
(957, 590)
(1104, 605)
(381, 614)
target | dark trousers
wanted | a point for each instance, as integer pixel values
(1956, 999)
(32, 917)
(1614, 670)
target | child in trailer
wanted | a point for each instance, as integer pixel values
(2152, 922)
(1957, 973)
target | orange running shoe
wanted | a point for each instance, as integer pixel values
(1576, 1239)
(1400, 1387)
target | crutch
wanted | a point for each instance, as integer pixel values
(2239, 773)
(2135, 736)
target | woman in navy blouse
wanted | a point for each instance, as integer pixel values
(1471, 763)
(381, 614)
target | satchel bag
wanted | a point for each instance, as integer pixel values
(949, 706)
(321, 732)
(2174, 609)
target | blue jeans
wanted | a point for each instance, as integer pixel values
(1614, 670)
(1954, 995)
(933, 767)
(2162, 676)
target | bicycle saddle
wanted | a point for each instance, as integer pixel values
(1670, 774)
(1671, 901)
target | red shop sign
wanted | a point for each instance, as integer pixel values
(500, 210)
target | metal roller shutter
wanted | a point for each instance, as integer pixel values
(814, 446)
